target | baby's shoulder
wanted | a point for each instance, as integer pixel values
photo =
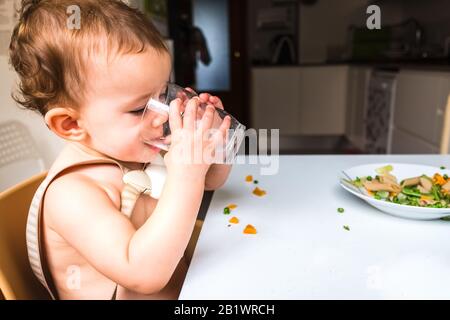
(85, 184)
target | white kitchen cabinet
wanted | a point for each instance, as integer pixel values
(358, 84)
(322, 100)
(420, 102)
(331, 100)
(308, 100)
(274, 102)
(405, 143)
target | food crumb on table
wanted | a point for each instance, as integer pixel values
(259, 192)
(249, 229)
(234, 220)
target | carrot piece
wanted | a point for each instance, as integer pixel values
(249, 229)
(232, 206)
(234, 220)
(249, 178)
(259, 192)
(438, 179)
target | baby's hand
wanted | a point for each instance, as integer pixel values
(207, 98)
(215, 101)
(193, 144)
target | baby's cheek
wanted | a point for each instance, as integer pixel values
(128, 145)
(133, 147)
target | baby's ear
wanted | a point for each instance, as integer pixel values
(65, 123)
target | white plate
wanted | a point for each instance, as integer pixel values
(401, 171)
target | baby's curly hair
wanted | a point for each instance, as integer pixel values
(51, 58)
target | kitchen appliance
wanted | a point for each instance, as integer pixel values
(283, 48)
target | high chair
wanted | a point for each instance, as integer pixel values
(17, 281)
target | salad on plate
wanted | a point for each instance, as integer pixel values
(419, 191)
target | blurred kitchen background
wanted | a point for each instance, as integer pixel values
(310, 68)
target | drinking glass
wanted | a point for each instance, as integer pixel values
(160, 106)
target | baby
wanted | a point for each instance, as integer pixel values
(91, 85)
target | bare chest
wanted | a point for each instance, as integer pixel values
(62, 257)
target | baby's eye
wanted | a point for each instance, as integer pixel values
(163, 95)
(138, 111)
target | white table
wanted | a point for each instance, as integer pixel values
(302, 251)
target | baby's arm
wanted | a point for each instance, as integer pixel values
(141, 260)
(216, 176)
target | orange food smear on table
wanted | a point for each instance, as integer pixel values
(249, 229)
(259, 192)
(234, 220)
